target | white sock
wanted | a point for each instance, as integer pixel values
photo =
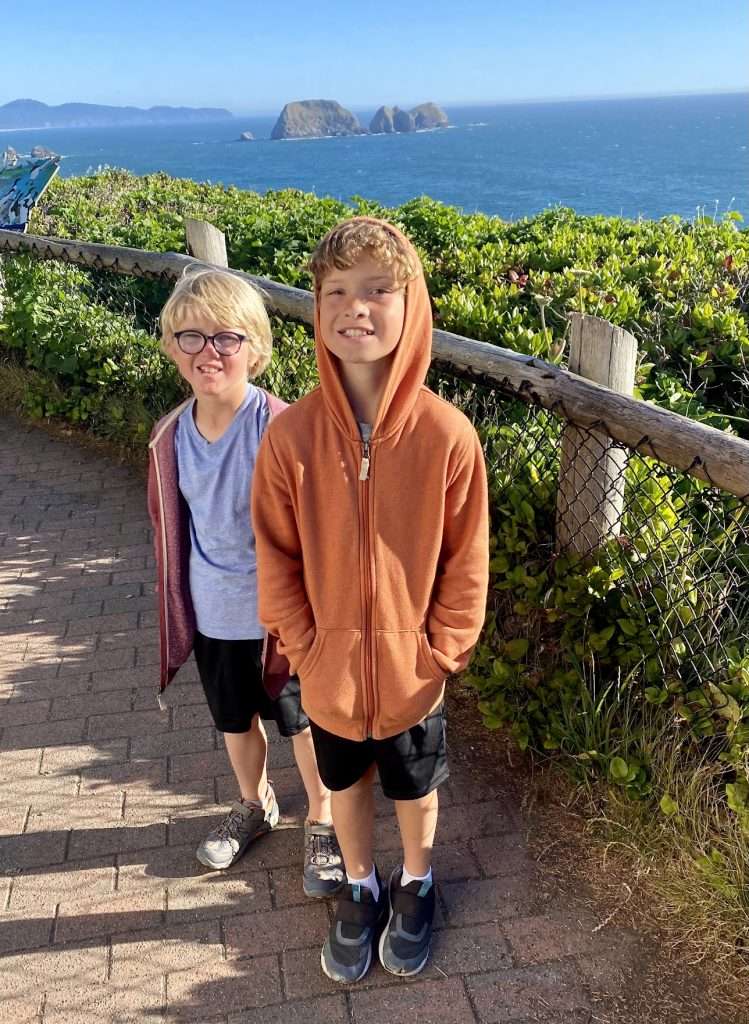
(370, 881)
(407, 877)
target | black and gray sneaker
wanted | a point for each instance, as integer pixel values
(323, 864)
(347, 952)
(404, 945)
(225, 844)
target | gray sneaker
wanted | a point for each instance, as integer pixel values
(323, 864)
(225, 844)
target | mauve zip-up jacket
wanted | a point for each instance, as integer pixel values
(170, 517)
(373, 558)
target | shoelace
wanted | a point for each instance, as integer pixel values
(321, 849)
(230, 826)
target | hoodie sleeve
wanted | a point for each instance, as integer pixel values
(458, 607)
(282, 599)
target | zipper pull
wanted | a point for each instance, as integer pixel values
(364, 469)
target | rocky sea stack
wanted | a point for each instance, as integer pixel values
(393, 119)
(315, 119)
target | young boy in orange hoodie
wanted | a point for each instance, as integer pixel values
(371, 523)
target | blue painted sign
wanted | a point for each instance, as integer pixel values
(21, 185)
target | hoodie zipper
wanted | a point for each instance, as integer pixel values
(368, 624)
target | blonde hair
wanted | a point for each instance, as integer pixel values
(345, 245)
(226, 298)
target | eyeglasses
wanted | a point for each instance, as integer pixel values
(226, 343)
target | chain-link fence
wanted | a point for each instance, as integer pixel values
(658, 600)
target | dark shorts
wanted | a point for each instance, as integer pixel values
(231, 672)
(410, 765)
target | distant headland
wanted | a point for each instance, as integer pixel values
(33, 114)
(317, 119)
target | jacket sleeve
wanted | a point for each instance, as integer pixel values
(458, 607)
(153, 510)
(282, 599)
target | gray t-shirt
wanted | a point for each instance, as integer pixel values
(215, 480)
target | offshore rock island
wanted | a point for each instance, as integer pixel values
(317, 119)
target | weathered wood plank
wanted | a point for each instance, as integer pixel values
(590, 496)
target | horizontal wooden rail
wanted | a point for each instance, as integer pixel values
(703, 451)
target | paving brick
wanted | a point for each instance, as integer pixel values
(157, 867)
(83, 965)
(108, 1002)
(148, 655)
(20, 764)
(132, 776)
(78, 812)
(177, 742)
(330, 1010)
(191, 828)
(125, 678)
(439, 1002)
(100, 661)
(84, 704)
(143, 804)
(529, 993)
(42, 889)
(488, 900)
(103, 624)
(29, 851)
(259, 934)
(303, 976)
(22, 1008)
(127, 638)
(217, 894)
(116, 912)
(280, 848)
(24, 713)
(137, 955)
(133, 723)
(503, 854)
(286, 886)
(42, 734)
(190, 716)
(207, 763)
(72, 758)
(18, 931)
(118, 838)
(221, 987)
(177, 695)
(541, 938)
(480, 947)
(39, 689)
(35, 790)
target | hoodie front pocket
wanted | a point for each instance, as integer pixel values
(409, 681)
(330, 676)
(436, 669)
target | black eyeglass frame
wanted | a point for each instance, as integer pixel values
(212, 338)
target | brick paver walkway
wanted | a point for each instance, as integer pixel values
(105, 915)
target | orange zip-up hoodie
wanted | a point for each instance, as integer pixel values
(373, 574)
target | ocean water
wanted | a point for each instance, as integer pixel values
(638, 157)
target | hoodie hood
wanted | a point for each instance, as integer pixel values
(409, 362)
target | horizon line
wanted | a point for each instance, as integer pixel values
(513, 101)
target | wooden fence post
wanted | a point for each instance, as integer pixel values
(590, 497)
(205, 242)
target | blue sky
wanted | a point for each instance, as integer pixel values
(252, 58)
